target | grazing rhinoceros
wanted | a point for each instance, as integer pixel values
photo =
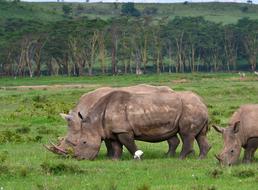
(242, 131)
(191, 124)
(85, 103)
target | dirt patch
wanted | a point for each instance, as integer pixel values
(50, 87)
(180, 81)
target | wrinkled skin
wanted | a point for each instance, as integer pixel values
(242, 132)
(193, 123)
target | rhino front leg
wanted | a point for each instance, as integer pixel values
(114, 149)
(110, 151)
(127, 140)
(173, 143)
(117, 149)
(250, 148)
(187, 147)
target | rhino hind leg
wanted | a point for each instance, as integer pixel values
(203, 143)
(187, 148)
(127, 140)
(250, 148)
(173, 143)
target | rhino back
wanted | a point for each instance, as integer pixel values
(151, 117)
(88, 100)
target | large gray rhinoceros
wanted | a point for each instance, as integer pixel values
(242, 131)
(86, 102)
(193, 121)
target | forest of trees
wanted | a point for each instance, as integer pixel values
(126, 44)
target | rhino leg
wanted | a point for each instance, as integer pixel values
(203, 144)
(250, 148)
(173, 143)
(127, 140)
(187, 148)
(117, 149)
(110, 151)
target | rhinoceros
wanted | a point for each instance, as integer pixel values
(193, 121)
(242, 132)
(85, 103)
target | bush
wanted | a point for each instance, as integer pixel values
(129, 10)
(244, 9)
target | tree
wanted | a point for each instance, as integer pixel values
(248, 30)
(128, 9)
(67, 9)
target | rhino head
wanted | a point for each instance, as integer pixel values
(232, 146)
(67, 144)
(90, 139)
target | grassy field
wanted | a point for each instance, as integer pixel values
(217, 12)
(29, 116)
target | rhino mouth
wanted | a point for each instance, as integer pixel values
(86, 157)
(55, 149)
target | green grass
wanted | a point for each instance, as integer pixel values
(218, 12)
(29, 117)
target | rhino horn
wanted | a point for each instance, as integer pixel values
(67, 117)
(218, 129)
(55, 149)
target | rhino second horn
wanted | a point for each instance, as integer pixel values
(66, 116)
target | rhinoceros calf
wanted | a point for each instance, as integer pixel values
(193, 123)
(242, 131)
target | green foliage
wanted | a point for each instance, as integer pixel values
(168, 38)
(60, 168)
(128, 9)
(67, 9)
(244, 173)
(244, 9)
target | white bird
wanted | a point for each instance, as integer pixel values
(242, 75)
(256, 73)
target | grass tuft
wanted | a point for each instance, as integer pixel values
(244, 173)
(59, 168)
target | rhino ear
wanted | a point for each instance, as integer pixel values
(218, 129)
(80, 115)
(236, 127)
(66, 117)
(85, 119)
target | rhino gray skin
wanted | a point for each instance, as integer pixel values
(242, 131)
(193, 123)
(85, 103)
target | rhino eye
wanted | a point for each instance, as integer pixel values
(84, 142)
(232, 151)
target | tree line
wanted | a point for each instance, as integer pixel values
(83, 46)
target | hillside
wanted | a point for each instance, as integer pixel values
(218, 12)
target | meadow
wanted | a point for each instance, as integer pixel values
(29, 116)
